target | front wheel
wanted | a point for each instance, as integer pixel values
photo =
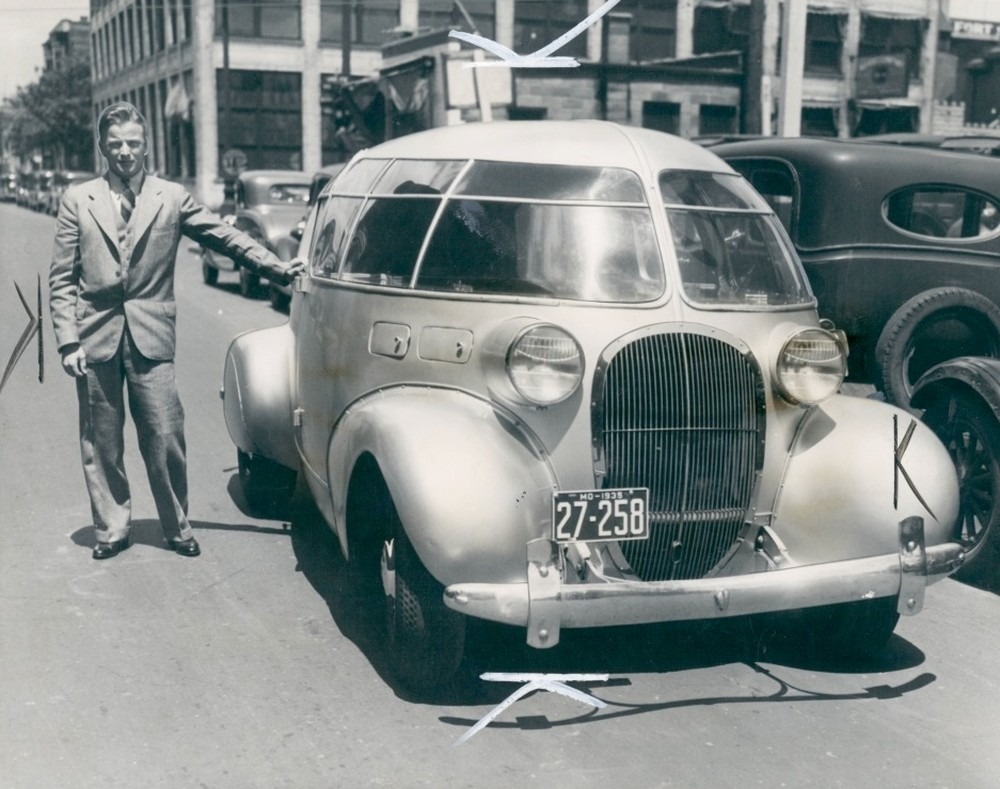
(267, 486)
(971, 433)
(426, 639)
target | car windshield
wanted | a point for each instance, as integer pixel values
(295, 194)
(730, 248)
(578, 233)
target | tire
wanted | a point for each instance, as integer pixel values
(249, 284)
(279, 300)
(209, 273)
(267, 486)
(930, 328)
(426, 639)
(971, 433)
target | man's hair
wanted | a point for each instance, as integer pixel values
(116, 114)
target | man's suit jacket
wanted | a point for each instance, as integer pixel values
(98, 283)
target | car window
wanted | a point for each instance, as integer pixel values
(551, 182)
(942, 212)
(389, 234)
(580, 233)
(294, 194)
(357, 178)
(434, 174)
(775, 182)
(735, 253)
(334, 219)
(580, 252)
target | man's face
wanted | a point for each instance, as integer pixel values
(124, 146)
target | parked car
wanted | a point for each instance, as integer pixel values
(902, 248)
(61, 180)
(8, 187)
(25, 187)
(570, 374)
(38, 195)
(901, 245)
(268, 204)
(296, 244)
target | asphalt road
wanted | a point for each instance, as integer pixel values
(255, 665)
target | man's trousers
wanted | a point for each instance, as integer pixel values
(159, 421)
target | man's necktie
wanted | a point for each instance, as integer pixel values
(127, 202)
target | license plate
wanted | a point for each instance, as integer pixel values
(595, 515)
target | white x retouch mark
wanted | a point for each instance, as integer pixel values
(538, 59)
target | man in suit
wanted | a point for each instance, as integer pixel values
(111, 294)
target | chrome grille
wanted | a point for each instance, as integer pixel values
(682, 414)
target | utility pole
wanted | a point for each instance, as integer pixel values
(753, 109)
(793, 59)
(346, 24)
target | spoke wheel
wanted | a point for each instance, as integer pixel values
(972, 435)
(426, 639)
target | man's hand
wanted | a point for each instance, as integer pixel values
(74, 362)
(296, 268)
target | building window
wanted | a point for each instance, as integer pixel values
(654, 29)
(721, 28)
(824, 43)
(278, 19)
(539, 24)
(664, 116)
(717, 119)
(265, 117)
(883, 36)
(371, 24)
(819, 122)
(436, 14)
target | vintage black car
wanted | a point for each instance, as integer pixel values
(902, 248)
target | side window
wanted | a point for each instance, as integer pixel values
(390, 231)
(328, 238)
(776, 184)
(942, 212)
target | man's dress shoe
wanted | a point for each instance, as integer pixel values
(187, 547)
(105, 550)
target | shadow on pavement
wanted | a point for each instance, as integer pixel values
(147, 531)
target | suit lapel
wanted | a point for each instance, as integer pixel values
(101, 208)
(148, 205)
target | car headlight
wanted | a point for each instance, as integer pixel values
(810, 367)
(544, 364)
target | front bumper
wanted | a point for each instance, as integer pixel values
(546, 602)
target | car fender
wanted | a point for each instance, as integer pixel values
(843, 494)
(976, 375)
(470, 483)
(256, 394)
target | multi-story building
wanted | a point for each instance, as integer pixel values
(227, 83)
(66, 40)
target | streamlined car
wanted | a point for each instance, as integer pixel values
(571, 375)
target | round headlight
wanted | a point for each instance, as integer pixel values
(544, 364)
(810, 367)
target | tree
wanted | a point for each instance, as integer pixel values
(53, 115)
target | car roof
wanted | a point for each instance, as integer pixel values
(580, 142)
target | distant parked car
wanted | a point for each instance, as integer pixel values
(8, 187)
(38, 198)
(25, 188)
(901, 245)
(60, 181)
(570, 374)
(297, 243)
(268, 205)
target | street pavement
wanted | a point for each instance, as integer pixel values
(256, 665)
